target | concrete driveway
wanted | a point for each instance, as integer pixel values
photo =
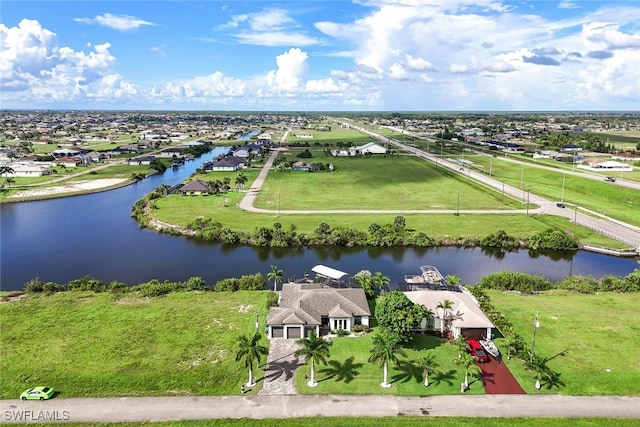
(281, 365)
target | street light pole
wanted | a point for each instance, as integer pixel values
(536, 325)
(564, 176)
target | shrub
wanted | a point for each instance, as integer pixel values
(341, 332)
(360, 328)
(226, 285)
(581, 284)
(272, 299)
(34, 286)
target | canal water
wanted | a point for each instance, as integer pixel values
(63, 239)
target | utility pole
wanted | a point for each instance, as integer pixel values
(564, 176)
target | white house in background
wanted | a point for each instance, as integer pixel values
(368, 148)
(25, 170)
(606, 166)
(464, 318)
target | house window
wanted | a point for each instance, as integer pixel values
(357, 320)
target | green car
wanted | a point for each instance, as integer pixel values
(37, 393)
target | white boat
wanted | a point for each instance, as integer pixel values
(490, 347)
(429, 275)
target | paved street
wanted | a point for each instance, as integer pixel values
(284, 406)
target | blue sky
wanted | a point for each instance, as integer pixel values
(407, 55)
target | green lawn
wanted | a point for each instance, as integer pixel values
(597, 331)
(349, 372)
(375, 182)
(597, 195)
(86, 344)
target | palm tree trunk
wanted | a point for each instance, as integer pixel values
(312, 381)
(426, 380)
(385, 384)
(250, 383)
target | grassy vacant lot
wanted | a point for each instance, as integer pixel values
(86, 344)
(375, 182)
(182, 209)
(349, 372)
(400, 421)
(597, 195)
(596, 331)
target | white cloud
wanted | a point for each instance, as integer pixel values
(567, 4)
(116, 22)
(292, 67)
(277, 39)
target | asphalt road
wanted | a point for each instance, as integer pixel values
(601, 223)
(140, 409)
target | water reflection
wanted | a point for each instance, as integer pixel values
(63, 239)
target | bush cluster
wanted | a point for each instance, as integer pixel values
(152, 288)
(528, 284)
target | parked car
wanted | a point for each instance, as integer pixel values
(560, 205)
(38, 393)
(476, 350)
(610, 179)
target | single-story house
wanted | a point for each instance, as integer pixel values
(196, 187)
(65, 152)
(305, 167)
(306, 307)
(172, 152)
(27, 170)
(607, 165)
(464, 318)
(142, 160)
(369, 148)
(228, 163)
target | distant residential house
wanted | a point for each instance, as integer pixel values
(571, 147)
(142, 160)
(196, 187)
(304, 135)
(605, 165)
(304, 167)
(626, 156)
(172, 152)
(96, 156)
(228, 163)
(193, 144)
(25, 170)
(369, 148)
(73, 161)
(65, 152)
(306, 307)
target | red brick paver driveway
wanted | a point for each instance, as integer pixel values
(498, 379)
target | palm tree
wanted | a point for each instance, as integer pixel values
(538, 364)
(452, 279)
(363, 277)
(445, 305)
(6, 170)
(468, 363)
(314, 349)
(462, 345)
(380, 281)
(276, 275)
(250, 351)
(428, 363)
(510, 342)
(385, 348)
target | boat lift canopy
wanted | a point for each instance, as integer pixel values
(328, 272)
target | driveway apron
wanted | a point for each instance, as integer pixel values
(281, 365)
(498, 379)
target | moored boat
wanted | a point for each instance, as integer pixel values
(490, 347)
(429, 278)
